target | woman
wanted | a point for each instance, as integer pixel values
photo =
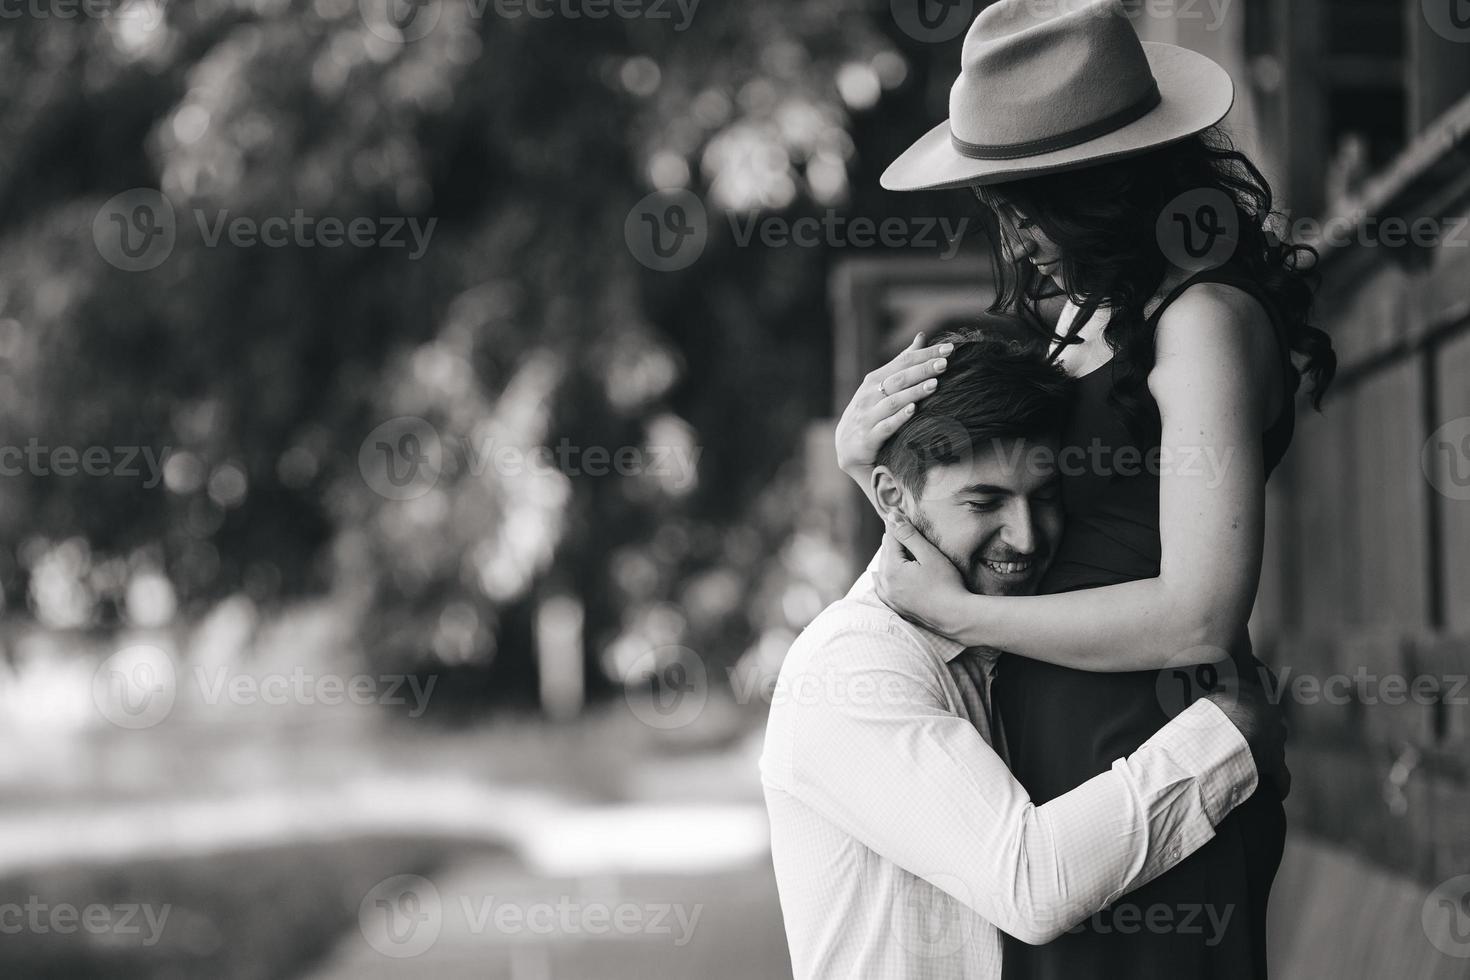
(1082, 142)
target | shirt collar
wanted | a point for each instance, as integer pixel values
(943, 646)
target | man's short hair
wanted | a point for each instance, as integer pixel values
(997, 387)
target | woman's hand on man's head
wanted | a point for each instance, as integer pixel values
(884, 402)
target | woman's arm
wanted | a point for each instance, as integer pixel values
(1215, 382)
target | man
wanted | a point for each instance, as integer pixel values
(901, 842)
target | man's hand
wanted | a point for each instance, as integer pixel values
(1262, 723)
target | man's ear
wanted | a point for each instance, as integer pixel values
(888, 495)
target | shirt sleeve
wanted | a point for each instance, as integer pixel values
(876, 749)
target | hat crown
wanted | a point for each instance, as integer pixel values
(1034, 71)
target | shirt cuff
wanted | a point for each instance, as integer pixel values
(1206, 744)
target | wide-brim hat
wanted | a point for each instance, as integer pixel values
(1051, 86)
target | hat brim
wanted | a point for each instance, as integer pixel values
(1197, 94)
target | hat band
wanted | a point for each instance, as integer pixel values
(1061, 141)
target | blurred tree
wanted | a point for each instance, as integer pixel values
(254, 374)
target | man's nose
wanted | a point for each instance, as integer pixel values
(1019, 533)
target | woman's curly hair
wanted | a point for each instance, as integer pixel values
(1104, 220)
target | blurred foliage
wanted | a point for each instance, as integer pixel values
(528, 321)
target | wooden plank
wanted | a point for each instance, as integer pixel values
(1450, 804)
(1439, 300)
(1301, 664)
(1335, 916)
(1390, 577)
(1320, 461)
(1453, 383)
(1380, 670)
(1447, 660)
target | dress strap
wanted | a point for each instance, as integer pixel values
(1074, 327)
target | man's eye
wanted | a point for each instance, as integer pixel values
(981, 505)
(1025, 224)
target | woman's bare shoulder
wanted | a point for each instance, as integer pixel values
(1215, 331)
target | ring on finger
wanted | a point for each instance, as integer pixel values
(883, 387)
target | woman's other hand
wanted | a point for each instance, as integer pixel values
(918, 581)
(884, 402)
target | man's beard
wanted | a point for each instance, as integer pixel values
(969, 568)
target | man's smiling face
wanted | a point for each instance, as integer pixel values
(997, 516)
(974, 468)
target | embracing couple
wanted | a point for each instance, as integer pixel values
(1042, 748)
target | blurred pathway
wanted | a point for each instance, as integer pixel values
(493, 920)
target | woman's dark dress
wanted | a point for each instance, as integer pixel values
(1065, 726)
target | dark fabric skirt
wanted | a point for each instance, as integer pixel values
(1204, 919)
